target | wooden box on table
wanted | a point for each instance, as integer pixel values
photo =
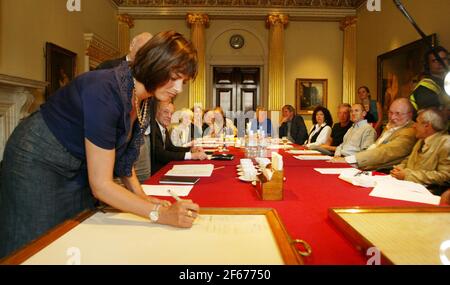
(271, 190)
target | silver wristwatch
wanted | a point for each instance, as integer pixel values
(154, 214)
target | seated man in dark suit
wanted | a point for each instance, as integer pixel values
(136, 43)
(165, 151)
(292, 126)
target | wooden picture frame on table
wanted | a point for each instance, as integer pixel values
(105, 225)
(397, 235)
(60, 67)
(399, 71)
(310, 93)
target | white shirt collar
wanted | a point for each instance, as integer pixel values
(360, 123)
(161, 128)
(429, 138)
(320, 126)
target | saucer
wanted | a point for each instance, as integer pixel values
(240, 172)
(242, 178)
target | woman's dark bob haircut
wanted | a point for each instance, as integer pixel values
(164, 56)
(327, 115)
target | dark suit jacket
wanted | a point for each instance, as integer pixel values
(165, 155)
(111, 63)
(298, 130)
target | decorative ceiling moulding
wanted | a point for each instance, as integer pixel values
(295, 14)
(352, 4)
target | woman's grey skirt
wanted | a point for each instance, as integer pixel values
(41, 185)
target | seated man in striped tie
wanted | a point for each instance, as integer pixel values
(165, 151)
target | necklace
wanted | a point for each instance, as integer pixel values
(141, 114)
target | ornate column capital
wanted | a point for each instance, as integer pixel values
(274, 19)
(347, 22)
(126, 19)
(197, 18)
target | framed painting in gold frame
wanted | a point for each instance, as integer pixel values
(310, 93)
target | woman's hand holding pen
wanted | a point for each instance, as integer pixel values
(180, 214)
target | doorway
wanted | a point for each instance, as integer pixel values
(236, 89)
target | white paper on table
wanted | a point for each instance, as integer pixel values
(404, 191)
(161, 190)
(208, 140)
(195, 170)
(313, 157)
(331, 170)
(299, 151)
(356, 177)
(208, 145)
(280, 146)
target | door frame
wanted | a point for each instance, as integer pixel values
(211, 96)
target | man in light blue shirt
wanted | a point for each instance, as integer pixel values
(360, 136)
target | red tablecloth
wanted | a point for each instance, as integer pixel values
(307, 197)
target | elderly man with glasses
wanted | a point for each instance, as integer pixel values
(429, 162)
(394, 144)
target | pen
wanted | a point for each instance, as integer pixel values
(174, 195)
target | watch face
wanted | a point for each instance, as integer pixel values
(236, 41)
(154, 216)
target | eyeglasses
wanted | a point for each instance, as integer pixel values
(397, 113)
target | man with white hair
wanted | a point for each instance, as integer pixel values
(394, 144)
(165, 151)
(136, 43)
(429, 162)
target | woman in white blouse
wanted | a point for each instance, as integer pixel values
(321, 130)
(181, 133)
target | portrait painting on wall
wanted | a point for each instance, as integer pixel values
(400, 70)
(310, 93)
(60, 67)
